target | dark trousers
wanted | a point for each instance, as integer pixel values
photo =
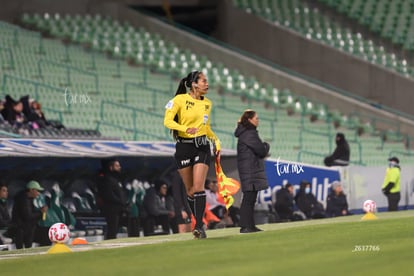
(42, 236)
(174, 224)
(219, 211)
(284, 212)
(112, 216)
(247, 209)
(133, 227)
(151, 221)
(24, 236)
(393, 200)
(234, 213)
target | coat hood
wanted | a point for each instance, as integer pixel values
(340, 139)
(241, 128)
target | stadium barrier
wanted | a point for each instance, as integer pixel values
(359, 183)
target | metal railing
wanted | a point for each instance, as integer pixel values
(37, 85)
(53, 111)
(135, 132)
(135, 113)
(330, 135)
(154, 94)
(401, 153)
(69, 70)
(220, 133)
(9, 134)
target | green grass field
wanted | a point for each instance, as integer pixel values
(340, 246)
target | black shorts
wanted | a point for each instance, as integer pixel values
(192, 151)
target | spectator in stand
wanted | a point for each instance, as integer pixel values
(307, 202)
(25, 216)
(284, 205)
(13, 113)
(37, 115)
(33, 112)
(5, 219)
(341, 154)
(336, 203)
(158, 209)
(112, 194)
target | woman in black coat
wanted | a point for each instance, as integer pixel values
(251, 152)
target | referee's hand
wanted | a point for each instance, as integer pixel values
(191, 130)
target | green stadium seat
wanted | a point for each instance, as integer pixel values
(170, 63)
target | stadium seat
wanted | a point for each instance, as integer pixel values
(156, 66)
(393, 23)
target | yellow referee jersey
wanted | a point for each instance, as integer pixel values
(191, 113)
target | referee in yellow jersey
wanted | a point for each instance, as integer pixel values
(187, 115)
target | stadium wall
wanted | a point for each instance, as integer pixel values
(359, 183)
(75, 174)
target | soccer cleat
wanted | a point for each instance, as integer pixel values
(199, 233)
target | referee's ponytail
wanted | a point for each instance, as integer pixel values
(181, 87)
(187, 82)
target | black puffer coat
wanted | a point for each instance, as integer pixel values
(111, 192)
(251, 152)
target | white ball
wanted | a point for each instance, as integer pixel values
(369, 206)
(59, 233)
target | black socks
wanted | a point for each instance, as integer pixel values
(199, 208)
(190, 201)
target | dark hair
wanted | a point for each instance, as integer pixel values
(244, 119)
(207, 182)
(3, 185)
(159, 183)
(182, 89)
(340, 135)
(107, 163)
(187, 82)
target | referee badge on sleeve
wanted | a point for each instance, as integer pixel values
(169, 105)
(205, 118)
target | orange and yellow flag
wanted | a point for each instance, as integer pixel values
(227, 186)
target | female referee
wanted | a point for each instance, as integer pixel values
(187, 115)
